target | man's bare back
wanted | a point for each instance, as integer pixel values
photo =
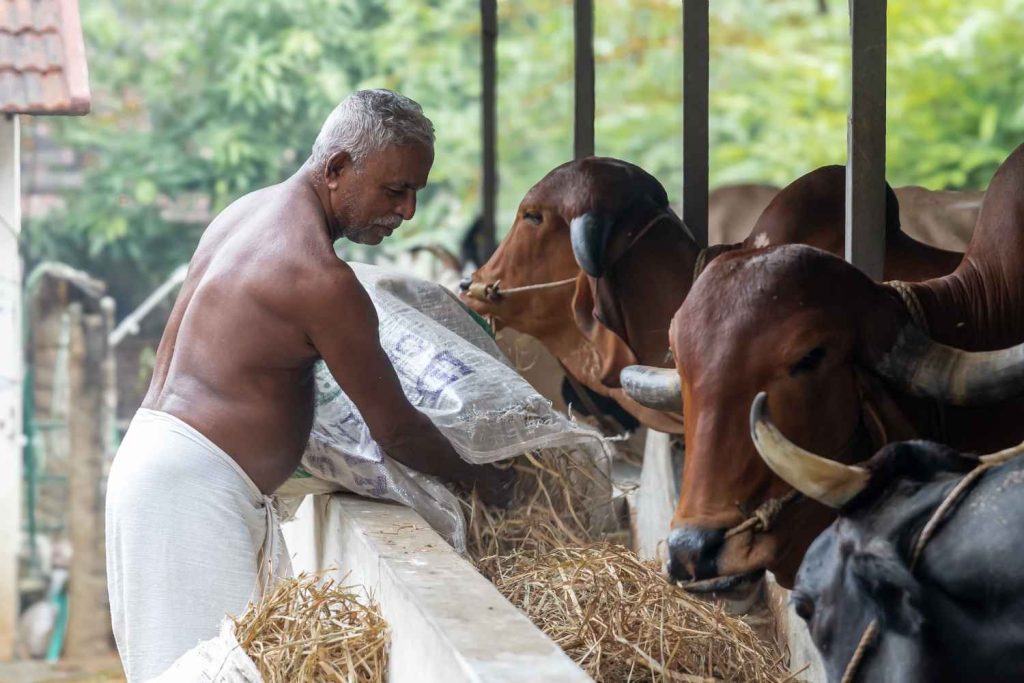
(264, 299)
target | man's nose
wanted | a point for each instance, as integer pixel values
(407, 209)
(693, 552)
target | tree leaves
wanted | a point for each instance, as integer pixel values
(198, 103)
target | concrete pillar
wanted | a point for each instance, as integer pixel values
(656, 498)
(89, 631)
(11, 373)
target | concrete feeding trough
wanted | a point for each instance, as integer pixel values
(448, 623)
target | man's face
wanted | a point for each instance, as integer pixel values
(370, 199)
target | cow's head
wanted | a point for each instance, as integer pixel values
(810, 210)
(597, 193)
(832, 349)
(856, 587)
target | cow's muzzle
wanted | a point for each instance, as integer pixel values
(693, 552)
(693, 564)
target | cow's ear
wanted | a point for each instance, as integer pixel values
(613, 352)
(890, 585)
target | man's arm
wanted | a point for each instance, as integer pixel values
(342, 325)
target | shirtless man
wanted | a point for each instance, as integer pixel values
(230, 406)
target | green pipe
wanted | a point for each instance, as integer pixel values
(60, 627)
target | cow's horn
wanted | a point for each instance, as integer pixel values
(826, 481)
(589, 234)
(926, 368)
(658, 388)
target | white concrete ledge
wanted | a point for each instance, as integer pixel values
(448, 623)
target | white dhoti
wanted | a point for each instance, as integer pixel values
(190, 539)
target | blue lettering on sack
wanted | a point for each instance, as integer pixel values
(429, 371)
(443, 370)
(375, 486)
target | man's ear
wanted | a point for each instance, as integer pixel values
(890, 585)
(337, 162)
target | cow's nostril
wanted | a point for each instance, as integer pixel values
(465, 282)
(693, 552)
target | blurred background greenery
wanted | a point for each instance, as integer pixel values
(196, 103)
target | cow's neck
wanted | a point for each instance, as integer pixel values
(980, 306)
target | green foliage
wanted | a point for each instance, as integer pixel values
(203, 101)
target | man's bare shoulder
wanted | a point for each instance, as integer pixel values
(329, 294)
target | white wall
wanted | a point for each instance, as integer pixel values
(10, 380)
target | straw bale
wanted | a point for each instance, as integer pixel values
(310, 630)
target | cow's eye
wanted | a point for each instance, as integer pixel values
(533, 217)
(803, 606)
(811, 360)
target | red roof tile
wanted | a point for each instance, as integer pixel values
(42, 58)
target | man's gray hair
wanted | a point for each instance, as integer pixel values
(368, 121)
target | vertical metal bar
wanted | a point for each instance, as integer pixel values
(583, 121)
(695, 118)
(865, 162)
(488, 41)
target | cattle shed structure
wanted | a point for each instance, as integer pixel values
(865, 178)
(864, 210)
(43, 72)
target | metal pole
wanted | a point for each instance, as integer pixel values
(488, 41)
(865, 162)
(695, 118)
(583, 121)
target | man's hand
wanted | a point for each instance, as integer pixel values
(495, 485)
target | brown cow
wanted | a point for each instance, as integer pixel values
(537, 251)
(846, 371)
(635, 291)
(939, 218)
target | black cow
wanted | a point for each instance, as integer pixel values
(955, 615)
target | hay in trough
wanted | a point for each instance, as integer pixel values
(613, 614)
(561, 497)
(311, 630)
(621, 621)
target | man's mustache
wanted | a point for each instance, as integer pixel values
(390, 223)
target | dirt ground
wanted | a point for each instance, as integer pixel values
(98, 670)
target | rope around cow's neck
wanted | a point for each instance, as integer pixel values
(910, 300)
(917, 316)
